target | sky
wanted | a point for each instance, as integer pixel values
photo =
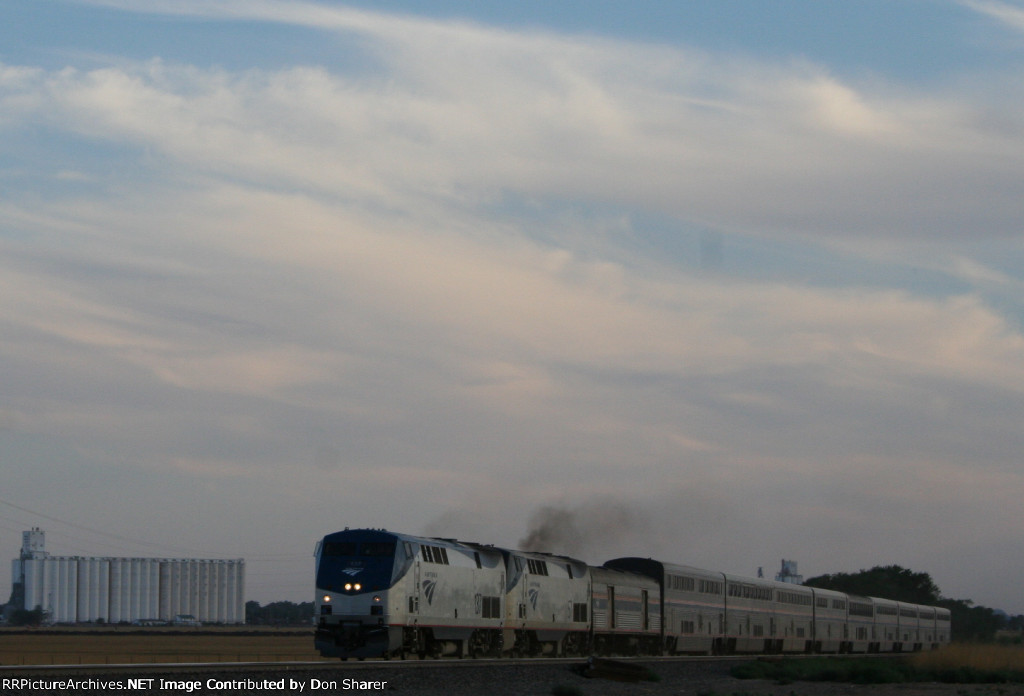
(717, 283)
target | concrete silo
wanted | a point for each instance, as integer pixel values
(74, 589)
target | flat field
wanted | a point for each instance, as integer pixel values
(980, 656)
(124, 645)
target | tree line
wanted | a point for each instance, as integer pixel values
(970, 622)
(279, 614)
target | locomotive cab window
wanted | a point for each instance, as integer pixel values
(378, 548)
(339, 548)
(537, 567)
(434, 554)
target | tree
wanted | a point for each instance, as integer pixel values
(252, 612)
(279, 613)
(889, 582)
(970, 623)
(28, 617)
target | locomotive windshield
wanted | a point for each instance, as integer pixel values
(357, 561)
(367, 548)
(339, 548)
(381, 548)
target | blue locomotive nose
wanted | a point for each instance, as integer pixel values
(352, 566)
(356, 570)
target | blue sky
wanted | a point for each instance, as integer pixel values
(730, 282)
(911, 40)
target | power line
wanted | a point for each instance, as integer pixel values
(110, 535)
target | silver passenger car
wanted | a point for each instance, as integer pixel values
(831, 631)
(626, 613)
(887, 624)
(692, 604)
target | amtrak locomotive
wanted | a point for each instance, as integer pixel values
(382, 594)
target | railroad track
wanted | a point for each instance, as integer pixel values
(376, 663)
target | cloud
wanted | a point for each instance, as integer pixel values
(1008, 14)
(467, 273)
(469, 114)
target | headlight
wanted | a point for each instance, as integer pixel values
(358, 586)
(348, 586)
(327, 598)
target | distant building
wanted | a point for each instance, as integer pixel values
(788, 573)
(77, 589)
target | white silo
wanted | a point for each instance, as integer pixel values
(125, 570)
(193, 587)
(30, 569)
(222, 581)
(92, 589)
(57, 589)
(240, 591)
(177, 576)
(69, 588)
(164, 608)
(203, 610)
(153, 611)
(102, 588)
(85, 606)
(229, 592)
(134, 588)
(150, 576)
(115, 591)
(53, 591)
(236, 592)
(88, 589)
(52, 595)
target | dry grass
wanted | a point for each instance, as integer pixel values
(989, 658)
(130, 647)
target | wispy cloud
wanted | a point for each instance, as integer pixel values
(468, 269)
(470, 113)
(1009, 14)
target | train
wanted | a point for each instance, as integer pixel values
(381, 594)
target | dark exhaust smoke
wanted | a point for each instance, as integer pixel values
(589, 529)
